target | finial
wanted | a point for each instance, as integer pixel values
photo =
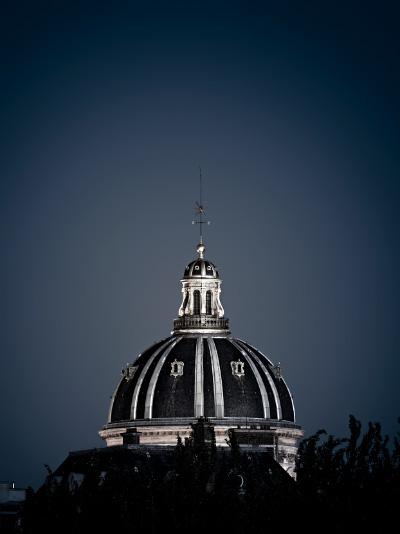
(200, 210)
(200, 249)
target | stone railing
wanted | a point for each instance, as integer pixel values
(201, 322)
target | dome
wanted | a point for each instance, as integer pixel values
(201, 268)
(189, 376)
(201, 371)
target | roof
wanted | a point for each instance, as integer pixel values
(189, 376)
(201, 268)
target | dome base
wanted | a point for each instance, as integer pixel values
(279, 438)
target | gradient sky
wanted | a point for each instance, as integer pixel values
(107, 112)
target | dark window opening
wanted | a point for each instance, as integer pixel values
(196, 306)
(208, 302)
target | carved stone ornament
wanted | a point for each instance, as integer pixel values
(177, 368)
(237, 368)
(277, 370)
(129, 371)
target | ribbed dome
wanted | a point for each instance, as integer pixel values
(201, 267)
(200, 371)
(190, 376)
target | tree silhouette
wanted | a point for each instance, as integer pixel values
(349, 483)
(343, 485)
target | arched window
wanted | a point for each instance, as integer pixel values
(196, 304)
(208, 303)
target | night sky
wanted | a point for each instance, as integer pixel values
(107, 112)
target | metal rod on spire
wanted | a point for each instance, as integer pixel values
(200, 210)
(201, 213)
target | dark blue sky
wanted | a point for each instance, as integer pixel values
(107, 112)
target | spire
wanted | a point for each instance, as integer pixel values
(200, 211)
(201, 310)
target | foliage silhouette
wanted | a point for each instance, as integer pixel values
(349, 483)
(343, 484)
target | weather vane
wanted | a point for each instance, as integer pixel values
(200, 211)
